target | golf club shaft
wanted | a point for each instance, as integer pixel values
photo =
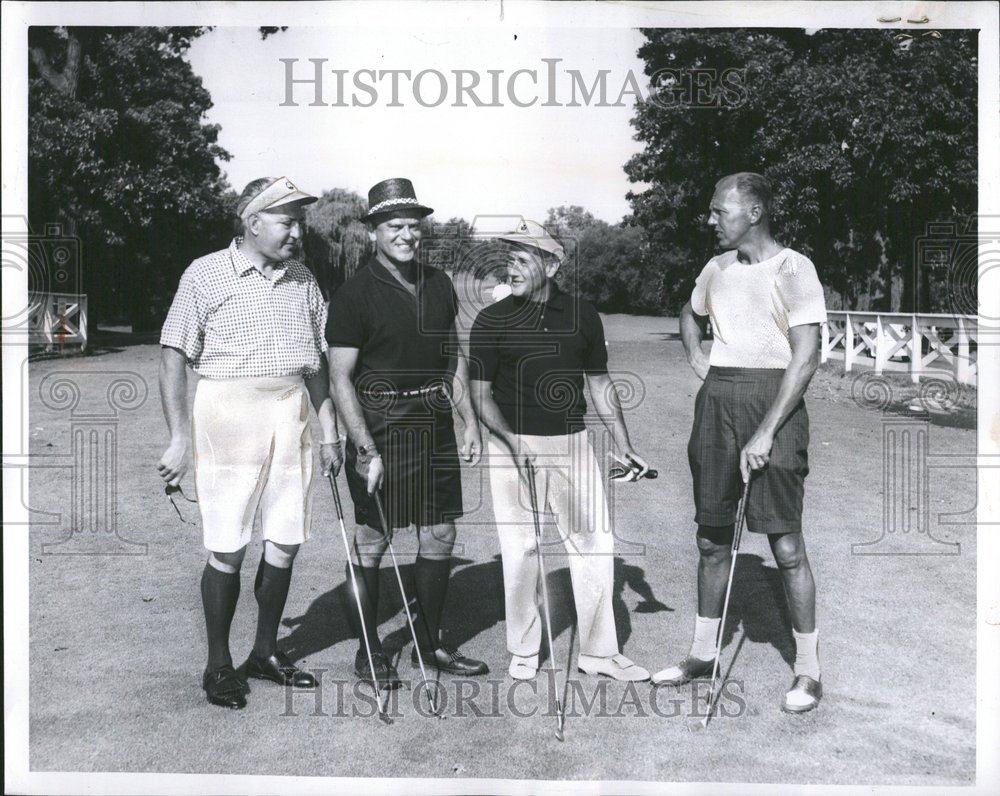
(737, 533)
(402, 594)
(545, 588)
(354, 586)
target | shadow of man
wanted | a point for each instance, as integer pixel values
(758, 604)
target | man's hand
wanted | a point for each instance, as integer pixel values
(699, 363)
(632, 456)
(372, 470)
(331, 456)
(472, 444)
(173, 463)
(756, 453)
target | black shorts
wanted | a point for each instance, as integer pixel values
(423, 479)
(730, 406)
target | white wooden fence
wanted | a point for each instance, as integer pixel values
(59, 319)
(888, 337)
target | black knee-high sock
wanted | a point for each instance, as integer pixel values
(219, 593)
(431, 581)
(367, 578)
(271, 590)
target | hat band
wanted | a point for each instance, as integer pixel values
(393, 203)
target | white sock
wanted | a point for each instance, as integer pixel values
(705, 633)
(806, 653)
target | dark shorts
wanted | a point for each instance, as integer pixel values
(730, 406)
(423, 479)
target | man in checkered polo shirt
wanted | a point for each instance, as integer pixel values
(766, 306)
(249, 321)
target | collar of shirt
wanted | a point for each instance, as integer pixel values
(242, 265)
(557, 300)
(382, 273)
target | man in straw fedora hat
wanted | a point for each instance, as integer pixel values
(249, 321)
(397, 371)
(530, 354)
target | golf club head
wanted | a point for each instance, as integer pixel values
(384, 718)
(697, 725)
(559, 734)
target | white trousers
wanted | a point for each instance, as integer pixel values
(252, 448)
(572, 507)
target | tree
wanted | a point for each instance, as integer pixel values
(336, 239)
(865, 138)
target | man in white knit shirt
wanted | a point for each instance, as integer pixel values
(766, 305)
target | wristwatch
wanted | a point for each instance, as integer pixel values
(367, 451)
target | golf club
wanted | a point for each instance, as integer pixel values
(357, 599)
(737, 534)
(545, 595)
(406, 603)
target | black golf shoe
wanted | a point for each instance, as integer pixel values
(225, 688)
(684, 672)
(445, 659)
(385, 672)
(279, 669)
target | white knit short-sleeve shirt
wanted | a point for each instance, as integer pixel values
(753, 305)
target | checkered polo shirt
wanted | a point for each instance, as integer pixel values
(232, 322)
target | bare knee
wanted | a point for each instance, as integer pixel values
(789, 551)
(227, 562)
(715, 543)
(369, 546)
(436, 541)
(279, 555)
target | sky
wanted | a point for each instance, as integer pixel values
(464, 161)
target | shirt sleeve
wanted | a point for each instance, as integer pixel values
(184, 327)
(317, 316)
(345, 326)
(699, 296)
(595, 358)
(799, 292)
(484, 348)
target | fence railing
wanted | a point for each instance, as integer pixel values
(59, 319)
(889, 338)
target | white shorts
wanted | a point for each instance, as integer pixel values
(252, 449)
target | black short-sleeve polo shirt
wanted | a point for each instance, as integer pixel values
(536, 354)
(405, 342)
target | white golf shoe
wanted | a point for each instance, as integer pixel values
(617, 666)
(523, 667)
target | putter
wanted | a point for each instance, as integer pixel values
(406, 603)
(545, 596)
(737, 534)
(357, 601)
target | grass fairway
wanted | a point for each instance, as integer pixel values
(117, 641)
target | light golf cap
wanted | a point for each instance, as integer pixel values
(279, 193)
(533, 235)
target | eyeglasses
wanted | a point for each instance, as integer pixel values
(170, 490)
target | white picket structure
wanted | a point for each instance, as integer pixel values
(887, 337)
(59, 319)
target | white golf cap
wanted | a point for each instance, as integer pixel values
(533, 235)
(276, 194)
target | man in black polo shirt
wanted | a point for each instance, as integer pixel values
(529, 354)
(396, 369)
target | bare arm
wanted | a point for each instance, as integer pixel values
(804, 341)
(472, 443)
(331, 452)
(692, 333)
(173, 396)
(488, 411)
(342, 362)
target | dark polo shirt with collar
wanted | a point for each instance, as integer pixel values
(536, 354)
(405, 340)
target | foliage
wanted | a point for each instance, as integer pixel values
(866, 139)
(336, 239)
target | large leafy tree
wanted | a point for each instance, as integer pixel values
(336, 238)
(867, 136)
(120, 156)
